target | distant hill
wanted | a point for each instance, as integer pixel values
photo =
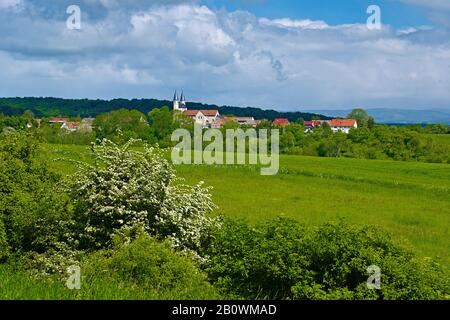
(49, 107)
(398, 116)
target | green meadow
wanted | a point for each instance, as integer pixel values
(409, 200)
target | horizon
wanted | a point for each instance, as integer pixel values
(267, 108)
(289, 57)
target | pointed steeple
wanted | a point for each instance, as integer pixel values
(175, 96)
(182, 99)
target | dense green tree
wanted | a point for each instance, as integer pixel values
(361, 116)
(163, 123)
(122, 125)
(287, 140)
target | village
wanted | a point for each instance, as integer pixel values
(212, 119)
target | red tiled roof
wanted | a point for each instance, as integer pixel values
(343, 122)
(207, 113)
(220, 121)
(281, 122)
(72, 125)
(315, 123)
(59, 120)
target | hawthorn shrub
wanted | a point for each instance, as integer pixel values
(125, 189)
(283, 260)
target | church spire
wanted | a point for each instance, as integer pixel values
(175, 96)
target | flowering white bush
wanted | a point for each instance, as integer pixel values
(125, 190)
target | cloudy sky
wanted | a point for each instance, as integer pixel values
(286, 55)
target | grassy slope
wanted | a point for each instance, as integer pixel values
(20, 285)
(441, 138)
(411, 200)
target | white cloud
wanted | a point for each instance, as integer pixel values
(303, 24)
(225, 58)
(8, 4)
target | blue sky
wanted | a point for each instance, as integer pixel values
(285, 55)
(395, 13)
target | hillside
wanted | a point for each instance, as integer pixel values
(47, 107)
(398, 116)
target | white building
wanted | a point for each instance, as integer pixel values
(206, 118)
(336, 125)
(343, 125)
(179, 104)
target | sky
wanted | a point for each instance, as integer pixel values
(289, 55)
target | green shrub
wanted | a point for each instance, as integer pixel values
(151, 266)
(32, 211)
(283, 260)
(4, 250)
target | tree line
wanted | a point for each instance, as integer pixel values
(49, 107)
(368, 141)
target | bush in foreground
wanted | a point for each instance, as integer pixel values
(283, 260)
(126, 189)
(153, 267)
(32, 212)
(143, 269)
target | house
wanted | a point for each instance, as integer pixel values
(218, 123)
(206, 118)
(336, 125)
(243, 121)
(70, 126)
(281, 122)
(58, 120)
(309, 125)
(343, 125)
(86, 125)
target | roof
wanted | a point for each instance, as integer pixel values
(281, 122)
(245, 120)
(207, 113)
(315, 123)
(220, 121)
(343, 122)
(59, 119)
(72, 125)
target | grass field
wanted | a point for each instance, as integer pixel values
(410, 200)
(441, 138)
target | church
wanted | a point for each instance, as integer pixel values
(206, 118)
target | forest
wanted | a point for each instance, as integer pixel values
(50, 107)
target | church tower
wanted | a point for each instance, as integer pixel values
(179, 104)
(183, 102)
(176, 102)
